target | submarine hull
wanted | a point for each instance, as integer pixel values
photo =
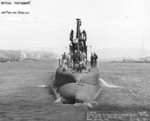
(77, 86)
(72, 82)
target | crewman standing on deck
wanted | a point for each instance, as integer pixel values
(82, 58)
(64, 59)
(92, 60)
(95, 58)
(75, 57)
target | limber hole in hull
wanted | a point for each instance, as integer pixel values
(70, 101)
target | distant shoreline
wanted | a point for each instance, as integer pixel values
(128, 62)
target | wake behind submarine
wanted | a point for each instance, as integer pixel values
(75, 80)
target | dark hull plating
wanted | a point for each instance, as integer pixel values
(77, 86)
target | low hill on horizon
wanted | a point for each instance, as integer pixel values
(107, 54)
(14, 54)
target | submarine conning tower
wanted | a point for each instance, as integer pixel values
(78, 41)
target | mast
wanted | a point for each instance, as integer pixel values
(78, 34)
(78, 28)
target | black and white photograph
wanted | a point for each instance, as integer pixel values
(75, 60)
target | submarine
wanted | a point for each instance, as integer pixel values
(76, 80)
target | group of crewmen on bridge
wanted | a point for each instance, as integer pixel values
(77, 57)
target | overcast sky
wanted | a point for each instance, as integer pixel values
(109, 24)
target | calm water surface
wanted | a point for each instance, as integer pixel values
(22, 99)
